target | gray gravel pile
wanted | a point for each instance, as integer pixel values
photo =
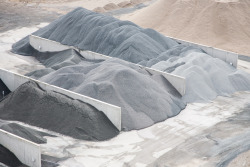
(206, 77)
(56, 112)
(8, 159)
(92, 31)
(145, 99)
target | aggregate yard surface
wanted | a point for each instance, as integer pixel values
(214, 133)
(203, 134)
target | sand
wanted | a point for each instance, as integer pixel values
(56, 112)
(18, 15)
(242, 160)
(119, 83)
(221, 24)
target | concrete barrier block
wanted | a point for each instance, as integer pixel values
(27, 152)
(45, 45)
(220, 54)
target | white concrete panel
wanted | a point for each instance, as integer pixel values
(13, 81)
(27, 152)
(93, 56)
(229, 57)
(179, 83)
(45, 45)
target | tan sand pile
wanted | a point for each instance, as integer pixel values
(116, 4)
(219, 23)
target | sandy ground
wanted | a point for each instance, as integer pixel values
(17, 15)
(222, 24)
(13, 62)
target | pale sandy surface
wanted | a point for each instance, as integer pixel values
(64, 6)
(222, 24)
(14, 62)
(204, 134)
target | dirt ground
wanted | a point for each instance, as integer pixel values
(25, 13)
(16, 15)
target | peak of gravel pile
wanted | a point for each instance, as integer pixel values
(56, 112)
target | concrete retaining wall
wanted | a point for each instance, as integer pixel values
(229, 57)
(27, 152)
(35, 41)
(45, 45)
(13, 81)
(178, 82)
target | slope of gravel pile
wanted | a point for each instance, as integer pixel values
(56, 112)
(88, 30)
(144, 98)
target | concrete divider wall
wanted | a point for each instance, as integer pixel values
(229, 57)
(27, 152)
(13, 81)
(177, 81)
(93, 55)
(45, 45)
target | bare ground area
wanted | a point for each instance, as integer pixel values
(16, 15)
